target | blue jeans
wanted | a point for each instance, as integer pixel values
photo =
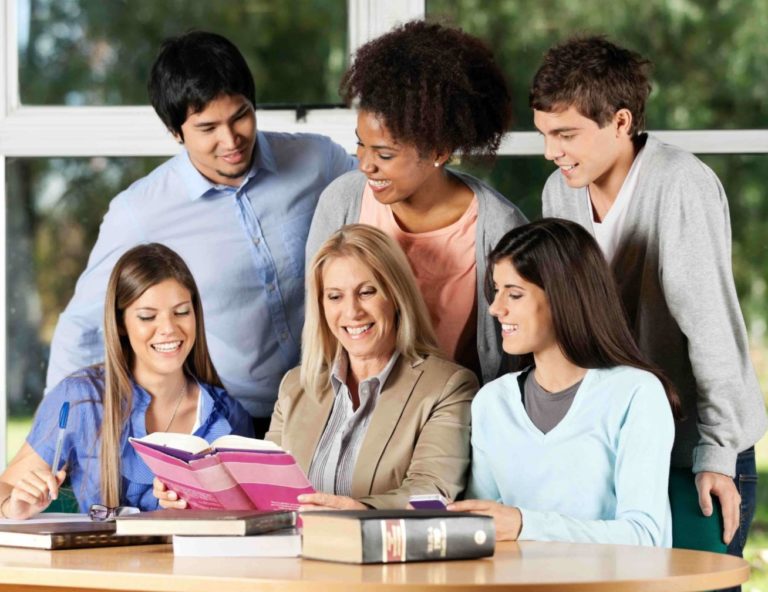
(692, 530)
(746, 483)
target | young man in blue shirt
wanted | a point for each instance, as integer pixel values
(236, 204)
(661, 218)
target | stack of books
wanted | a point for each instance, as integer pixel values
(215, 533)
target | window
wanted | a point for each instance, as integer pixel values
(89, 52)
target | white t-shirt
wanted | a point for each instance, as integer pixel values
(608, 232)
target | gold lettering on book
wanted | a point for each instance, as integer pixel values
(437, 538)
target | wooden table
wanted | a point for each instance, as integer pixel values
(516, 566)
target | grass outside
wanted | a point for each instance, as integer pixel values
(756, 551)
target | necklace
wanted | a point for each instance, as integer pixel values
(178, 402)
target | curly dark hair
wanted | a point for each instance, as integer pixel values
(436, 88)
(596, 77)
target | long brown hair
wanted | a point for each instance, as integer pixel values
(135, 272)
(564, 260)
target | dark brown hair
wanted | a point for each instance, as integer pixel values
(596, 77)
(435, 87)
(563, 259)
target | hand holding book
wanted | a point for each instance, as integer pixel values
(231, 473)
(169, 500)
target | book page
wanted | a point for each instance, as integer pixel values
(235, 442)
(184, 442)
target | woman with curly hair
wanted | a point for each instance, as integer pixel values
(425, 92)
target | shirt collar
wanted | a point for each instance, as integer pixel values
(198, 185)
(341, 367)
(141, 400)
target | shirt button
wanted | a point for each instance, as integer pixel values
(270, 287)
(284, 335)
(256, 241)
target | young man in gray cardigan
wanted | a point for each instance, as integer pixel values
(661, 218)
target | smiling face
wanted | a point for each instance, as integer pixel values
(357, 312)
(395, 171)
(160, 325)
(220, 139)
(523, 310)
(586, 153)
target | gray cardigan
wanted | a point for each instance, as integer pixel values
(673, 267)
(340, 203)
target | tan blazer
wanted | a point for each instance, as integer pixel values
(417, 439)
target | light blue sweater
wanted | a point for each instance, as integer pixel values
(599, 476)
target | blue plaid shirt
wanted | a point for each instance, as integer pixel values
(220, 415)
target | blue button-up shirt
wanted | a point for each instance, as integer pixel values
(244, 246)
(220, 415)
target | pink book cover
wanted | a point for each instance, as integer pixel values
(272, 481)
(229, 480)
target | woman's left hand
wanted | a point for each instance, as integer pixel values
(507, 519)
(327, 501)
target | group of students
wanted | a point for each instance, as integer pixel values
(618, 347)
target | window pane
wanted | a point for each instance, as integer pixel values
(91, 52)
(53, 212)
(710, 58)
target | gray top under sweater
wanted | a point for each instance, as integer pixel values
(546, 409)
(340, 202)
(673, 268)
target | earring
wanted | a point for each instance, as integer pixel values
(437, 163)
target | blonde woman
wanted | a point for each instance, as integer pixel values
(157, 376)
(374, 413)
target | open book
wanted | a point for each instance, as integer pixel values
(232, 473)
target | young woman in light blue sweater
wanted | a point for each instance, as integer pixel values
(576, 446)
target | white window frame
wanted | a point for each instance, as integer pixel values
(59, 131)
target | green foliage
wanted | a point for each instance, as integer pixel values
(710, 56)
(99, 53)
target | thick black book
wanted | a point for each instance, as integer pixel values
(390, 536)
(67, 535)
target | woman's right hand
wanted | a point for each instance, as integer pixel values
(167, 498)
(32, 493)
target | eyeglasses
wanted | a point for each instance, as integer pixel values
(99, 513)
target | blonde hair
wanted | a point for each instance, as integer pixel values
(135, 272)
(415, 337)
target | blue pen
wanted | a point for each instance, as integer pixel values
(63, 417)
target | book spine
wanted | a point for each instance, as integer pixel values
(85, 540)
(270, 523)
(427, 539)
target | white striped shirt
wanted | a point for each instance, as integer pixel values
(336, 454)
